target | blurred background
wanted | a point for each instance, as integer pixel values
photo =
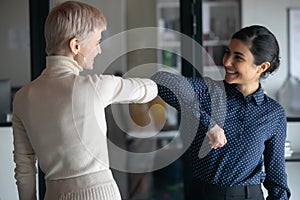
(209, 22)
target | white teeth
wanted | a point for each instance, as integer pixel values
(230, 72)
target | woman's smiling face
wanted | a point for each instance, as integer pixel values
(89, 49)
(238, 62)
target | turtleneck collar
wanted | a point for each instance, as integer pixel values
(58, 66)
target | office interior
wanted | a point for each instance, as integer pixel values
(23, 59)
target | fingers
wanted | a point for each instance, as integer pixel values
(217, 144)
(220, 142)
(217, 137)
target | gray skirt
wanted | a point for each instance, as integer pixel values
(96, 186)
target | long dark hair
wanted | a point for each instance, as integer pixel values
(262, 44)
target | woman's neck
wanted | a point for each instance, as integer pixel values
(247, 90)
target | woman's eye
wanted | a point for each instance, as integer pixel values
(239, 58)
(226, 51)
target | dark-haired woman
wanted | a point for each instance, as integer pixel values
(254, 124)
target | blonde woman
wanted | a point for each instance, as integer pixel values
(59, 120)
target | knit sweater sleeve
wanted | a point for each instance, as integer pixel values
(24, 157)
(113, 89)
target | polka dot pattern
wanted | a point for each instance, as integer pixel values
(255, 128)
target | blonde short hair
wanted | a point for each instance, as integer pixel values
(68, 20)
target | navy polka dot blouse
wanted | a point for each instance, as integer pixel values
(255, 128)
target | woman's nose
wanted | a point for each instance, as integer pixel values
(226, 61)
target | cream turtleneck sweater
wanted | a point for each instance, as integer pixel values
(59, 119)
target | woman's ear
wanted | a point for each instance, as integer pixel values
(264, 66)
(74, 46)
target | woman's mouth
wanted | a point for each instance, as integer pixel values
(230, 72)
(230, 76)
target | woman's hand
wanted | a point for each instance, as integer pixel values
(216, 137)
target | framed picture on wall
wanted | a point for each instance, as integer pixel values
(294, 42)
(291, 86)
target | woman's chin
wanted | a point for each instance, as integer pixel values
(88, 67)
(229, 79)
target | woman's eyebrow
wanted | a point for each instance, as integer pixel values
(238, 53)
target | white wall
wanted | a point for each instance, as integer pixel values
(8, 189)
(272, 14)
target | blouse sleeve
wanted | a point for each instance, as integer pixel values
(179, 92)
(24, 157)
(276, 177)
